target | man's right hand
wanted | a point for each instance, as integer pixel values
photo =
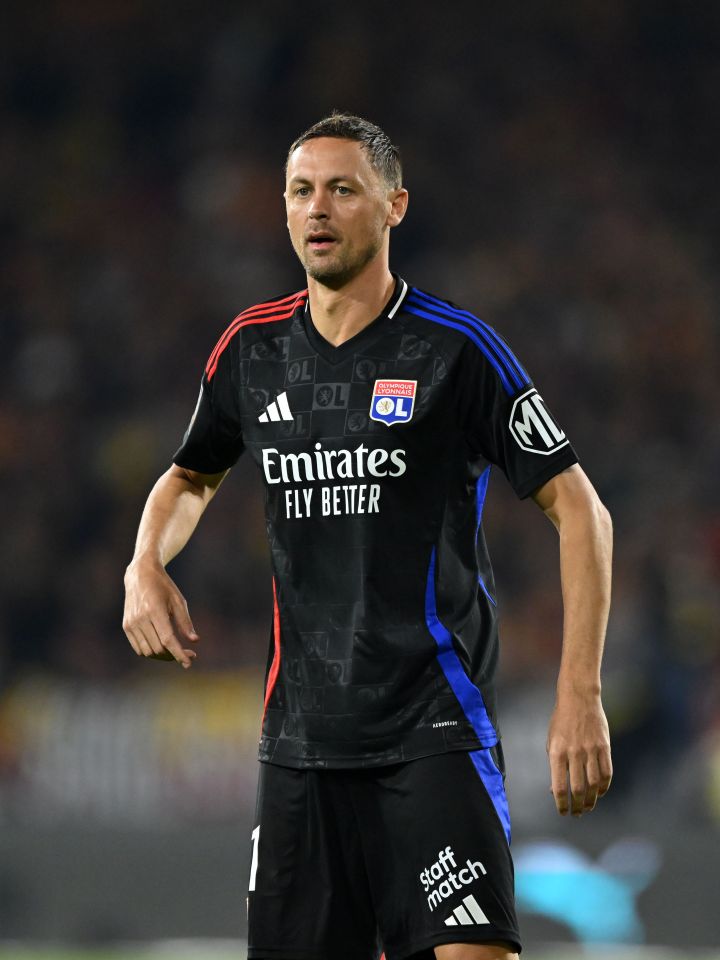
(156, 619)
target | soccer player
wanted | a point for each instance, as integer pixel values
(374, 411)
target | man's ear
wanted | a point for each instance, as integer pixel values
(398, 206)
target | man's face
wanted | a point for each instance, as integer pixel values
(339, 209)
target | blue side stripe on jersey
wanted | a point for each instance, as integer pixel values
(480, 494)
(485, 590)
(493, 781)
(446, 322)
(469, 697)
(512, 364)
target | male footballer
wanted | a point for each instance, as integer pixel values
(375, 412)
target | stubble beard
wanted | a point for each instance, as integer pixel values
(341, 269)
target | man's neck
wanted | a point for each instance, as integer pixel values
(340, 314)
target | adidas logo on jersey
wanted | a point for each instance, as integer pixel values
(468, 915)
(279, 409)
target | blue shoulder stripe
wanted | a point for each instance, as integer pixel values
(505, 354)
(411, 308)
(502, 348)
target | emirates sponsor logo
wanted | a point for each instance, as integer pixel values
(324, 464)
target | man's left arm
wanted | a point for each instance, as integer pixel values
(578, 743)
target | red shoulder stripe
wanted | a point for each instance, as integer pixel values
(275, 667)
(260, 308)
(262, 313)
(236, 325)
(252, 311)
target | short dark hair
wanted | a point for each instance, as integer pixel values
(382, 152)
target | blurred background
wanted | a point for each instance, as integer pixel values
(562, 164)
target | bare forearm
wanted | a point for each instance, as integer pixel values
(171, 514)
(156, 618)
(585, 569)
(578, 738)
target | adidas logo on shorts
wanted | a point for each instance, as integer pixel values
(451, 876)
(279, 409)
(468, 915)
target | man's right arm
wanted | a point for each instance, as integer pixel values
(156, 619)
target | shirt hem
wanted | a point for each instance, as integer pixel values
(363, 762)
(187, 463)
(551, 470)
(489, 934)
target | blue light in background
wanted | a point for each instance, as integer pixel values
(595, 899)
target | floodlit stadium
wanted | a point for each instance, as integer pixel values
(561, 166)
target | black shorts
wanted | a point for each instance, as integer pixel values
(350, 863)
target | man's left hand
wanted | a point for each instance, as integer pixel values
(578, 748)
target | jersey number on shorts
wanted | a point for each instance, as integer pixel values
(254, 863)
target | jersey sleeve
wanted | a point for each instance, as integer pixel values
(213, 440)
(506, 420)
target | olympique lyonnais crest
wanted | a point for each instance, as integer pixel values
(393, 401)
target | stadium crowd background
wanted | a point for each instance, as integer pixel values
(562, 167)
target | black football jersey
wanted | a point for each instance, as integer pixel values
(376, 456)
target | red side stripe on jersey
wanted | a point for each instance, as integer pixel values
(275, 666)
(262, 313)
